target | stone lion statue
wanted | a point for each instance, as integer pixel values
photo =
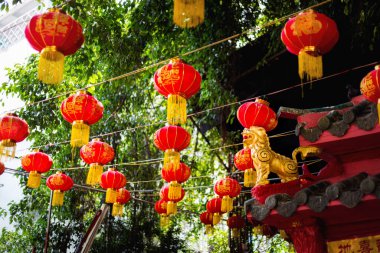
(266, 160)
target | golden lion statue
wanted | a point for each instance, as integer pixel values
(266, 160)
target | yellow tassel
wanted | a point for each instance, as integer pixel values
(174, 190)
(215, 218)
(249, 178)
(94, 174)
(176, 110)
(235, 233)
(227, 204)
(7, 149)
(258, 230)
(111, 196)
(188, 13)
(209, 229)
(164, 220)
(34, 180)
(117, 209)
(310, 64)
(171, 208)
(80, 134)
(171, 159)
(57, 198)
(51, 66)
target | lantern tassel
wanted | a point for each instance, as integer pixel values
(7, 149)
(188, 13)
(94, 174)
(209, 229)
(34, 180)
(227, 204)
(310, 64)
(235, 233)
(57, 198)
(171, 208)
(215, 218)
(164, 220)
(176, 110)
(51, 66)
(174, 190)
(111, 196)
(80, 133)
(117, 209)
(171, 159)
(249, 178)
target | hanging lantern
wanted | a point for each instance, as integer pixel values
(59, 183)
(36, 163)
(177, 81)
(161, 208)
(2, 168)
(235, 223)
(171, 139)
(175, 178)
(370, 87)
(310, 35)
(172, 202)
(12, 130)
(227, 189)
(112, 180)
(188, 13)
(243, 161)
(257, 114)
(96, 153)
(214, 206)
(206, 218)
(81, 110)
(123, 196)
(55, 35)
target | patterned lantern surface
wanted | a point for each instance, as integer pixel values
(123, 196)
(2, 168)
(188, 13)
(175, 178)
(177, 81)
(172, 201)
(171, 139)
(112, 180)
(257, 114)
(243, 161)
(207, 218)
(59, 183)
(310, 35)
(161, 208)
(227, 188)
(370, 87)
(235, 222)
(214, 206)
(12, 130)
(55, 35)
(81, 110)
(96, 153)
(36, 163)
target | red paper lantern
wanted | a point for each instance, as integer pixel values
(12, 130)
(235, 222)
(370, 87)
(243, 161)
(55, 35)
(310, 35)
(214, 206)
(112, 180)
(2, 168)
(59, 183)
(206, 218)
(81, 110)
(257, 114)
(123, 196)
(228, 189)
(96, 153)
(172, 202)
(36, 163)
(171, 139)
(175, 178)
(177, 81)
(161, 208)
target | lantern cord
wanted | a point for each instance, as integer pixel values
(315, 82)
(137, 71)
